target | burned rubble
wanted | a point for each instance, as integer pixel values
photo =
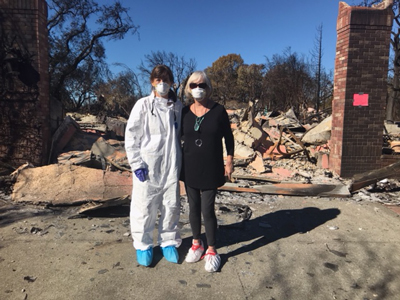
(87, 188)
(275, 155)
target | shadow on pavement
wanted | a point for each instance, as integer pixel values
(267, 229)
(271, 227)
(10, 213)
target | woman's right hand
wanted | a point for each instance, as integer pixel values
(229, 167)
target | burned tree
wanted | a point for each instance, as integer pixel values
(76, 50)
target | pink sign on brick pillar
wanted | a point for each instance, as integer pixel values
(360, 99)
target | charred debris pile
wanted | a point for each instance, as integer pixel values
(274, 155)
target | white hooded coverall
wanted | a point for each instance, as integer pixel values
(152, 141)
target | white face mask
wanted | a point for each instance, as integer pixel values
(198, 93)
(162, 88)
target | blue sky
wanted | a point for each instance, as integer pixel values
(207, 30)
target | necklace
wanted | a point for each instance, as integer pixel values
(197, 123)
(199, 142)
(198, 120)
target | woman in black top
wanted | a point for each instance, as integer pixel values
(205, 125)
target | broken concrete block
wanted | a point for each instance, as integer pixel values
(256, 133)
(252, 138)
(239, 136)
(258, 163)
(260, 137)
(320, 134)
(244, 138)
(245, 126)
(243, 151)
(250, 142)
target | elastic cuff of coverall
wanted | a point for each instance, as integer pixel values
(142, 247)
(137, 166)
(175, 243)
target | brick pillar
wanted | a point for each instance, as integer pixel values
(24, 102)
(361, 67)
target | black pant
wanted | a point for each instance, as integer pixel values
(202, 202)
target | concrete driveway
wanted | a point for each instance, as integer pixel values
(290, 248)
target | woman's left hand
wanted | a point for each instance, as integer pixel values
(229, 167)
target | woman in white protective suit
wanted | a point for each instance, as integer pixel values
(152, 144)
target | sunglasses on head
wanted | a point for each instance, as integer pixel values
(200, 85)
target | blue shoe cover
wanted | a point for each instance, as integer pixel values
(170, 253)
(144, 257)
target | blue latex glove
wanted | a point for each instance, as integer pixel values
(141, 174)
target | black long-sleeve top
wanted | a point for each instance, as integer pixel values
(203, 162)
